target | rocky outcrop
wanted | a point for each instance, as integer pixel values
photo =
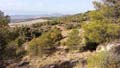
(107, 46)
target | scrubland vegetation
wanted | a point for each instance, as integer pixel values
(84, 33)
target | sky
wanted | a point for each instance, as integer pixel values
(20, 7)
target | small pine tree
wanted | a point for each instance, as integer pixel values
(46, 43)
(74, 40)
(4, 20)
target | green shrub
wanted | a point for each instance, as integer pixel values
(18, 42)
(7, 35)
(13, 53)
(98, 32)
(46, 43)
(105, 59)
(29, 33)
(39, 24)
(74, 41)
(69, 26)
(96, 60)
(36, 25)
(12, 49)
(9, 40)
(4, 20)
(52, 22)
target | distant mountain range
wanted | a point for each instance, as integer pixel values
(19, 18)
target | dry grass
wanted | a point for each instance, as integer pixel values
(56, 58)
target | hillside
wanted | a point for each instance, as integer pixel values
(80, 17)
(84, 40)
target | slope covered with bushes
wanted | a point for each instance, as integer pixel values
(41, 42)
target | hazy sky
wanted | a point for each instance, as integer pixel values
(18, 7)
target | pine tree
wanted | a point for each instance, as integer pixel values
(4, 20)
(109, 9)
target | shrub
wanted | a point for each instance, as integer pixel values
(36, 33)
(69, 26)
(46, 43)
(39, 24)
(6, 36)
(52, 22)
(29, 33)
(36, 25)
(74, 40)
(13, 53)
(98, 32)
(4, 20)
(96, 60)
(9, 40)
(105, 59)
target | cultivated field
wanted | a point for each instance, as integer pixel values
(27, 23)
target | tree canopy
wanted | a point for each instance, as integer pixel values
(109, 10)
(4, 20)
